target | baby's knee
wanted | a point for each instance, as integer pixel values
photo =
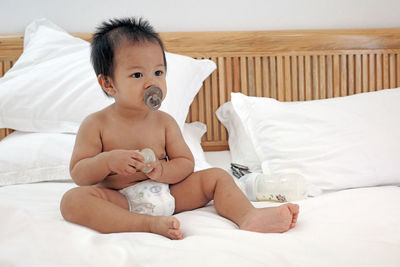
(70, 202)
(211, 177)
(217, 174)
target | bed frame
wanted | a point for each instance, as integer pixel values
(286, 65)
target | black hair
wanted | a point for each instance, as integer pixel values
(109, 36)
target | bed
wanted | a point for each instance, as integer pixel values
(322, 103)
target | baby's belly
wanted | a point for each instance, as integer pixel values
(118, 182)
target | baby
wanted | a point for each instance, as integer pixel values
(128, 58)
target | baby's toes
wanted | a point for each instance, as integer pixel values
(175, 234)
(173, 223)
(294, 208)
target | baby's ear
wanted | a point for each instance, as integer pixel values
(106, 84)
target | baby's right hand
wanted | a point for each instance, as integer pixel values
(124, 162)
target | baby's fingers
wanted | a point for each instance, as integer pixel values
(135, 165)
(156, 170)
(129, 170)
(134, 154)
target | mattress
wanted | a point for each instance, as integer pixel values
(355, 227)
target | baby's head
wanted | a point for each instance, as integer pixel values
(111, 34)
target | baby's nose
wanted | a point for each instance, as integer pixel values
(149, 84)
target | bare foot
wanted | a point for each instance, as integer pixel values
(167, 226)
(271, 220)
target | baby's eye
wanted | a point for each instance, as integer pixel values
(159, 73)
(137, 75)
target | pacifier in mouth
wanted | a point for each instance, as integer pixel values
(153, 97)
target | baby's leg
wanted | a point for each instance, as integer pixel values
(216, 184)
(107, 211)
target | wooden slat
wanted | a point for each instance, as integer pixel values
(392, 71)
(243, 75)
(365, 73)
(301, 72)
(322, 77)
(336, 76)
(385, 69)
(280, 78)
(308, 77)
(266, 90)
(208, 108)
(315, 77)
(378, 72)
(221, 97)
(287, 78)
(343, 75)
(236, 75)
(295, 86)
(251, 76)
(350, 74)
(3, 133)
(7, 64)
(372, 73)
(329, 78)
(258, 76)
(398, 70)
(273, 75)
(229, 77)
(214, 103)
(358, 73)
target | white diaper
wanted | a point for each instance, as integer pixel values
(150, 197)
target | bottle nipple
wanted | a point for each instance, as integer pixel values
(149, 157)
(153, 97)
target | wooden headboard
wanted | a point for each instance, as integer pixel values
(286, 65)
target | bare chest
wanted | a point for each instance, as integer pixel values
(134, 137)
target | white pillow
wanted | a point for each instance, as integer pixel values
(335, 143)
(37, 157)
(192, 133)
(53, 87)
(240, 146)
(185, 77)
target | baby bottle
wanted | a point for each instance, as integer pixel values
(153, 97)
(149, 157)
(275, 187)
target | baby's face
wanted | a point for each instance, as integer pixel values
(136, 68)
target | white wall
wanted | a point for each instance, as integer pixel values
(205, 15)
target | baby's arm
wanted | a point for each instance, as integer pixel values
(181, 162)
(89, 165)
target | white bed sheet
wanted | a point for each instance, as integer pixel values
(358, 227)
(220, 159)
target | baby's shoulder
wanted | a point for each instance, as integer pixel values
(96, 117)
(165, 117)
(166, 120)
(95, 120)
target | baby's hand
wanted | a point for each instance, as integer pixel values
(156, 173)
(125, 162)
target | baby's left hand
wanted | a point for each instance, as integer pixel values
(157, 171)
